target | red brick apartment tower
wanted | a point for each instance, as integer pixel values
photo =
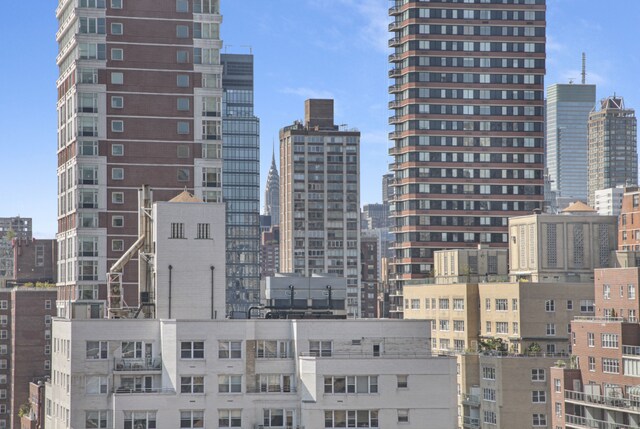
(602, 388)
(468, 98)
(25, 346)
(629, 222)
(139, 93)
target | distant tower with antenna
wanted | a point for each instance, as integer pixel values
(568, 108)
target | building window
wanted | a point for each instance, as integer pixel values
(182, 80)
(117, 149)
(183, 104)
(191, 419)
(488, 373)
(489, 417)
(117, 78)
(489, 394)
(192, 350)
(557, 385)
(203, 231)
(270, 349)
(516, 328)
(117, 102)
(117, 54)
(116, 4)
(182, 56)
(569, 304)
(117, 173)
(403, 416)
(320, 348)
(183, 127)
(182, 31)
(538, 374)
(502, 305)
(402, 381)
(443, 303)
(631, 291)
(4, 304)
(538, 396)
(182, 5)
(177, 230)
(488, 327)
(351, 418)
(458, 303)
(117, 221)
(609, 341)
(96, 385)
(458, 325)
(415, 304)
(587, 306)
(273, 383)
(184, 174)
(610, 366)
(229, 349)
(116, 28)
(139, 419)
(606, 291)
(551, 329)
(229, 418)
(539, 419)
(592, 363)
(591, 339)
(502, 327)
(231, 384)
(192, 384)
(550, 305)
(487, 304)
(96, 419)
(514, 304)
(117, 126)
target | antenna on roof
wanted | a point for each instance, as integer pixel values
(584, 68)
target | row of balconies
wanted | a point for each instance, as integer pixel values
(600, 401)
(584, 422)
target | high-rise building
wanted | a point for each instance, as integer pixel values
(370, 274)
(35, 261)
(568, 108)
(12, 227)
(241, 183)
(613, 156)
(375, 216)
(468, 124)
(387, 188)
(272, 193)
(320, 199)
(270, 252)
(25, 346)
(139, 102)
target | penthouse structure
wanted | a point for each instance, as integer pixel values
(320, 199)
(139, 102)
(468, 124)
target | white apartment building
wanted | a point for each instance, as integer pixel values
(157, 374)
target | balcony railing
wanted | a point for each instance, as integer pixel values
(471, 422)
(583, 422)
(472, 400)
(271, 389)
(128, 390)
(394, 26)
(617, 402)
(129, 364)
(631, 350)
(394, 42)
(360, 355)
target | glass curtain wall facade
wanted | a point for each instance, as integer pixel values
(241, 184)
(568, 108)
(468, 126)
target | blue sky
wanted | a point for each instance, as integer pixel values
(303, 49)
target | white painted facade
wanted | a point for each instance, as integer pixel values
(197, 260)
(608, 202)
(386, 363)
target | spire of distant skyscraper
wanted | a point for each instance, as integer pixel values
(272, 192)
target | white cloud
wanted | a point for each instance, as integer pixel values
(308, 92)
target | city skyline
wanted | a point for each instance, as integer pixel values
(356, 38)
